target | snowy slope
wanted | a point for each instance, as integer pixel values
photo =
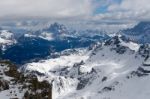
(115, 69)
(44, 66)
(6, 39)
(43, 35)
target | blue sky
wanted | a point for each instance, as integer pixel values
(103, 8)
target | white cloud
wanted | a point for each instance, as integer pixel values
(45, 8)
(117, 15)
(125, 10)
(136, 10)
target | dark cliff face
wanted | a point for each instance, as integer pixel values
(57, 28)
(28, 85)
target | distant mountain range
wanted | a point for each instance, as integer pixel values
(42, 43)
(140, 33)
(73, 64)
(34, 45)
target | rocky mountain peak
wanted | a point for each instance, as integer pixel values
(56, 28)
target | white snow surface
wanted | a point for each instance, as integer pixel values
(6, 39)
(44, 35)
(131, 45)
(47, 36)
(103, 74)
(44, 66)
(29, 35)
(14, 91)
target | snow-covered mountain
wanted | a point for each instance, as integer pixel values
(35, 45)
(6, 39)
(57, 28)
(50, 32)
(60, 31)
(79, 64)
(15, 85)
(114, 69)
(140, 33)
